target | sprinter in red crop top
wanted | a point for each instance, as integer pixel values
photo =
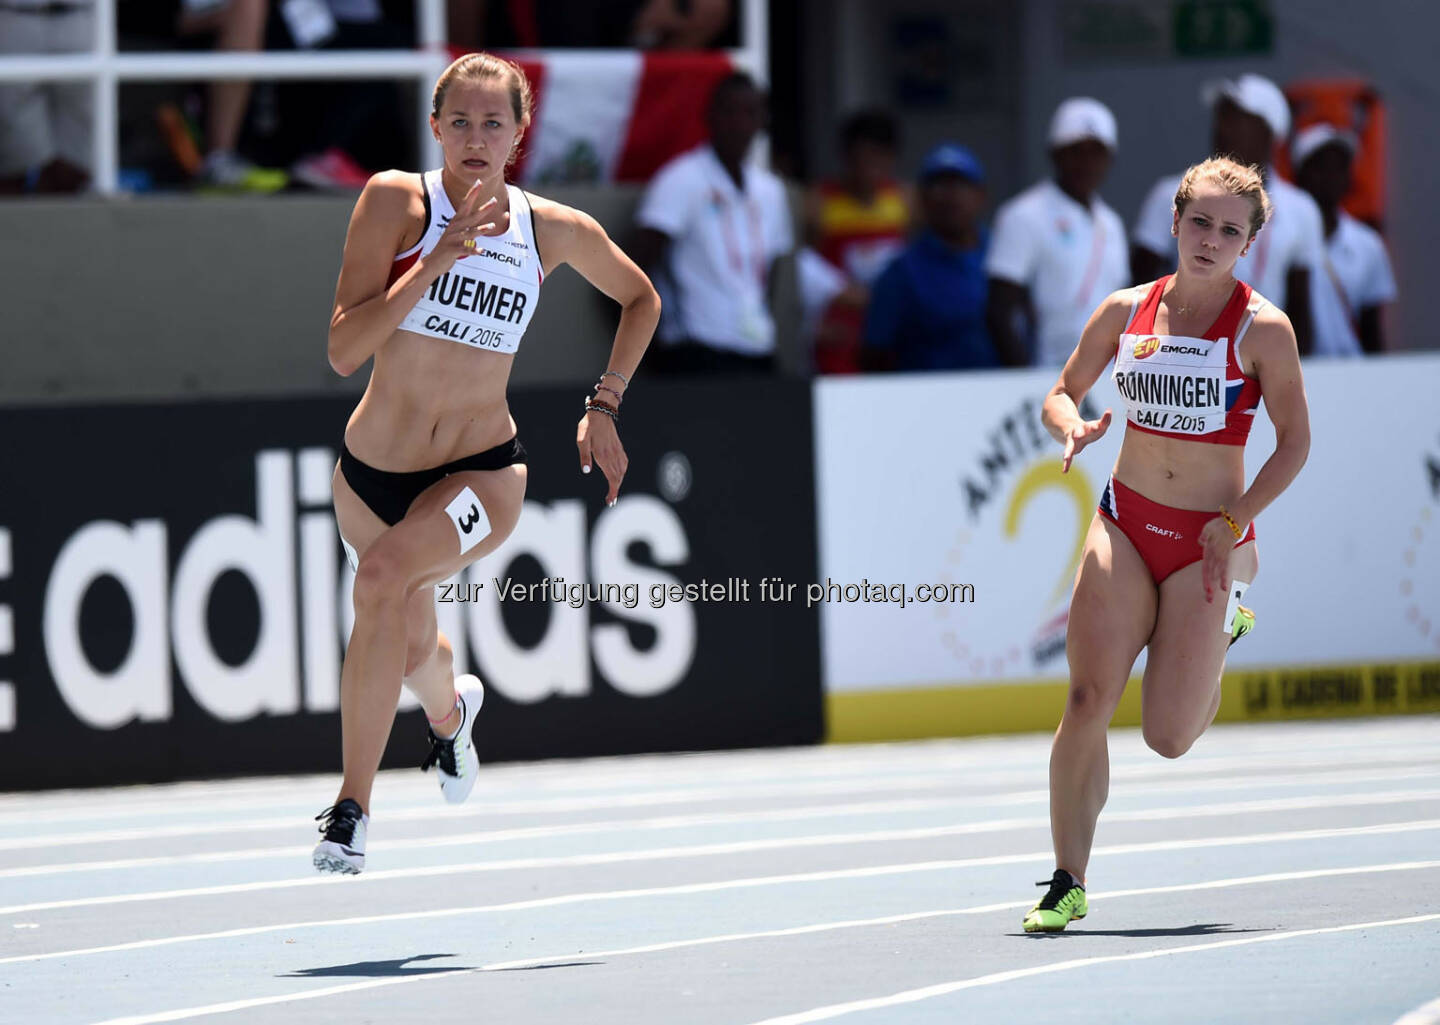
(440, 279)
(1172, 547)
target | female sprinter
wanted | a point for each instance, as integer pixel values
(1172, 548)
(440, 278)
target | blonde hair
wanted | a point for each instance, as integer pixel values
(486, 67)
(1243, 180)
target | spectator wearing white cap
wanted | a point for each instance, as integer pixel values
(1250, 117)
(1057, 248)
(1355, 279)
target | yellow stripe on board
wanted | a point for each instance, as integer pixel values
(948, 710)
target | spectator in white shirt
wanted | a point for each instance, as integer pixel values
(1355, 280)
(1057, 249)
(711, 225)
(1250, 117)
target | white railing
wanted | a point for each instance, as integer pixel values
(105, 69)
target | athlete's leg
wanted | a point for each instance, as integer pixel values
(1181, 689)
(1112, 612)
(430, 663)
(421, 550)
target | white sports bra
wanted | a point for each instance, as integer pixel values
(486, 300)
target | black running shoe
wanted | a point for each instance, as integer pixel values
(343, 849)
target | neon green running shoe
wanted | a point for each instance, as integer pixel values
(1063, 904)
(1242, 624)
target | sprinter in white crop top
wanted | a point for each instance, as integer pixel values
(441, 277)
(1172, 548)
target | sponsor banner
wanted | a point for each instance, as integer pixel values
(1266, 694)
(948, 482)
(174, 598)
(964, 487)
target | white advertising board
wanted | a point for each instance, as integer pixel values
(950, 479)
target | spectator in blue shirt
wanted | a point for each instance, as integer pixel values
(927, 309)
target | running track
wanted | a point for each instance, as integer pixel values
(1277, 873)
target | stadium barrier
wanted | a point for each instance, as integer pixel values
(963, 489)
(174, 594)
(173, 597)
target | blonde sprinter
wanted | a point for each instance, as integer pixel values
(440, 278)
(1172, 547)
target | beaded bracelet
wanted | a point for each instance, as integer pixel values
(618, 397)
(623, 379)
(596, 406)
(1234, 527)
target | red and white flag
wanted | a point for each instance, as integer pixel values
(614, 115)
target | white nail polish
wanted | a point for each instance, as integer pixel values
(584, 469)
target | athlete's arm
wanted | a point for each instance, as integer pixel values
(367, 313)
(1271, 350)
(571, 236)
(1061, 411)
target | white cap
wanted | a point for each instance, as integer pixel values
(1308, 140)
(1080, 118)
(1256, 95)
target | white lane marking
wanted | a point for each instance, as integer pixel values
(1428, 1014)
(771, 815)
(674, 852)
(195, 1012)
(661, 891)
(938, 773)
(698, 851)
(1239, 739)
(430, 811)
(911, 996)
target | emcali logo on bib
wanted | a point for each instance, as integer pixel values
(1147, 347)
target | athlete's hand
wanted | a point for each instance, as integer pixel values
(599, 442)
(1218, 541)
(1084, 434)
(473, 218)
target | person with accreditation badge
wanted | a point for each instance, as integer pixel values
(440, 279)
(1171, 550)
(1057, 249)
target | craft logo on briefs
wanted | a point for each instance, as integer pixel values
(294, 662)
(1174, 535)
(1147, 347)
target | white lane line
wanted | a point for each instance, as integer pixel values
(1429, 1014)
(579, 774)
(488, 809)
(931, 776)
(423, 792)
(195, 1012)
(684, 851)
(911, 996)
(621, 894)
(769, 815)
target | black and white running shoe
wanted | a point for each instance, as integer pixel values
(455, 758)
(343, 849)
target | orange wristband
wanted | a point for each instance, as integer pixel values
(1234, 527)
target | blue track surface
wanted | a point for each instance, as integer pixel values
(1283, 873)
